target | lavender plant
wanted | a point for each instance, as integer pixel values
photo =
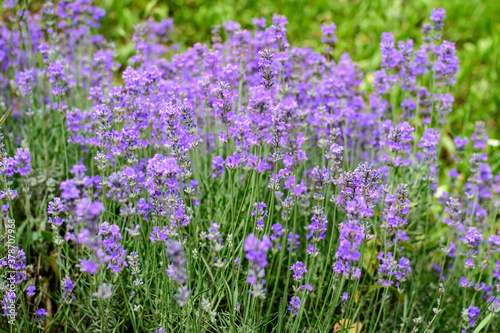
(245, 185)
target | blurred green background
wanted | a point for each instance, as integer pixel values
(473, 25)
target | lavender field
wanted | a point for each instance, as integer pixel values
(239, 185)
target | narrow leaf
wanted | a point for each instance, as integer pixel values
(483, 323)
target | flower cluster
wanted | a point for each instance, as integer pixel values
(176, 270)
(393, 272)
(152, 181)
(256, 253)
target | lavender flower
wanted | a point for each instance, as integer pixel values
(298, 270)
(41, 314)
(177, 271)
(266, 68)
(57, 78)
(294, 305)
(316, 229)
(393, 272)
(256, 253)
(428, 143)
(329, 37)
(351, 236)
(259, 212)
(30, 291)
(329, 33)
(469, 316)
(437, 16)
(103, 292)
(67, 286)
(390, 55)
(397, 210)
